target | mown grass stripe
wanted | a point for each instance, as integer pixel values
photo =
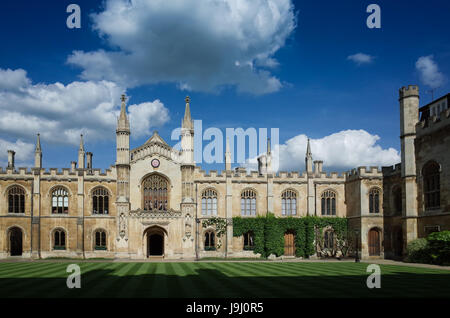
(112, 278)
(22, 282)
(253, 280)
(140, 273)
(56, 286)
(19, 269)
(143, 286)
(201, 286)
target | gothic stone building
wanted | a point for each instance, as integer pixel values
(152, 201)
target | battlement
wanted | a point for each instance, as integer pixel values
(392, 170)
(433, 123)
(411, 90)
(21, 171)
(364, 172)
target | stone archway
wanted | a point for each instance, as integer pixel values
(154, 239)
(15, 241)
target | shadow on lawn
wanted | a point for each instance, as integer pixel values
(210, 283)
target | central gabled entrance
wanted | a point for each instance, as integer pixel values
(154, 237)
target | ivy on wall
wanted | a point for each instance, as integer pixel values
(269, 232)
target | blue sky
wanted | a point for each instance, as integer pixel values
(319, 92)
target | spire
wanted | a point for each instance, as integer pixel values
(38, 143)
(38, 153)
(187, 121)
(122, 122)
(268, 146)
(123, 113)
(308, 159)
(81, 143)
(308, 150)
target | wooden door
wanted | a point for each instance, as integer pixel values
(289, 243)
(374, 242)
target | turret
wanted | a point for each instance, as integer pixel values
(81, 154)
(409, 116)
(265, 161)
(187, 136)
(123, 136)
(228, 156)
(38, 153)
(308, 159)
(11, 154)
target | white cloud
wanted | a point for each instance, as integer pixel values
(360, 58)
(429, 71)
(62, 112)
(24, 152)
(342, 151)
(147, 115)
(198, 45)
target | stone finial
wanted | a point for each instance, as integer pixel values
(38, 143)
(123, 98)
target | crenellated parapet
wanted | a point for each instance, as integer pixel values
(410, 90)
(392, 170)
(433, 123)
(362, 172)
(21, 173)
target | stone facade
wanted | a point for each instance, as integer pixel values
(152, 202)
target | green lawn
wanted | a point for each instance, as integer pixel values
(219, 279)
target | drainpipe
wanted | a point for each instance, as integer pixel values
(197, 221)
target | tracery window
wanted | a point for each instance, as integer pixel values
(374, 200)
(60, 201)
(328, 239)
(328, 202)
(431, 185)
(59, 240)
(289, 202)
(100, 201)
(155, 193)
(100, 240)
(249, 242)
(209, 202)
(16, 200)
(248, 202)
(210, 241)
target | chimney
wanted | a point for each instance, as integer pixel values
(89, 160)
(316, 167)
(11, 154)
(73, 166)
(320, 166)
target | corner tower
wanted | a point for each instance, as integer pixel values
(123, 176)
(409, 116)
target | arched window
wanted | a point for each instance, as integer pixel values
(431, 185)
(100, 240)
(209, 202)
(155, 193)
(328, 202)
(100, 201)
(16, 200)
(289, 202)
(374, 200)
(59, 240)
(210, 241)
(249, 243)
(328, 239)
(248, 202)
(60, 200)
(397, 196)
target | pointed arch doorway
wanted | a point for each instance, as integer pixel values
(155, 237)
(15, 241)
